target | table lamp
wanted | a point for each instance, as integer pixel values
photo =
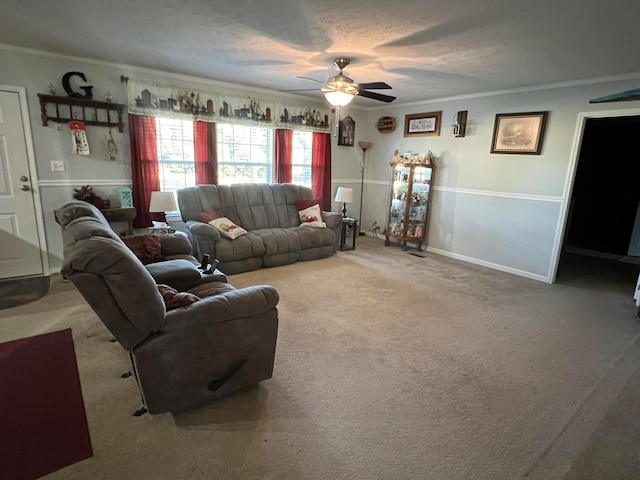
(163, 202)
(344, 196)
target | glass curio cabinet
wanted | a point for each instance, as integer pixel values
(409, 200)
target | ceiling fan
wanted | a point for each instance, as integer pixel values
(339, 90)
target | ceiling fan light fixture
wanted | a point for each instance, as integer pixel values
(338, 98)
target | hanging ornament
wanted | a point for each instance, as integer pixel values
(79, 138)
(112, 149)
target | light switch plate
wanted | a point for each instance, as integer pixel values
(57, 166)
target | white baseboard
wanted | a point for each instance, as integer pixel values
(494, 266)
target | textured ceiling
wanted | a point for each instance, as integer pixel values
(424, 49)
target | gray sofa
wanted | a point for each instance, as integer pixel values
(183, 354)
(270, 215)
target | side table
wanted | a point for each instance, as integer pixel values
(348, 223)
(120, 215)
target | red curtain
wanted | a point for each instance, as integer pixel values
(206, 153)
(284, 160)
(321, 169)
(144, 167)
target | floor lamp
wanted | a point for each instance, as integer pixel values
(364, 146)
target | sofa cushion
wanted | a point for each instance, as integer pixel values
(279, 240)
(314, 237)
(208, 215)
(228, 228)
(245, 246)
(211, 289)
(174, 299)
(175, 244)
(173, 271)
(146, 247)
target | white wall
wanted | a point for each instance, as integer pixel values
(503, 211)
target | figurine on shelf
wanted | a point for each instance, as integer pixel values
(428, 157)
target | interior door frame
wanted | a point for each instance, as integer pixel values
(33, 172)
(571, 176)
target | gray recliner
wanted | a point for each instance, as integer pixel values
(182, 357)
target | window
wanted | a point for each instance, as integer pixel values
(245, 154)
(301, 152)
(175, 153)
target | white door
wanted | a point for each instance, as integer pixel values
(20, 249)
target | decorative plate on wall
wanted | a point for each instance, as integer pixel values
(386, 124)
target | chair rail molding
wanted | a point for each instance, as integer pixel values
(70, 182)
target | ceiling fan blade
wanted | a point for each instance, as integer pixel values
(374, 86)
(312, 79)
(376, 96)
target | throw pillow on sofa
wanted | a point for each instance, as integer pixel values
(174, 299)
(146, 247)
(311, 217)
(208, 215)
(227, 228)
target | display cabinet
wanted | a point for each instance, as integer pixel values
(408, 214)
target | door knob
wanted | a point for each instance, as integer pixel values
(24, 179)
(24, 188)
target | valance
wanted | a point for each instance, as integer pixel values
(145, 98)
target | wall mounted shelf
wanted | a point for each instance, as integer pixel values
(87, 110)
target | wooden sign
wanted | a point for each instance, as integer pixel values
(386, 124)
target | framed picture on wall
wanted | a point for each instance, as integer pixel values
(422, 124)
(519, 133)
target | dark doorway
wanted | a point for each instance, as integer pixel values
(602, 212)
(606, 189)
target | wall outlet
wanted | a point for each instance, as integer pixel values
(57, 166)
(448, 237)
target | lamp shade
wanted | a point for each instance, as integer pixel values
(163, 202)
(344, 195)
(365, 145)
(338, 98)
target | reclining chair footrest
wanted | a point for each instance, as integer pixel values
(217, 383)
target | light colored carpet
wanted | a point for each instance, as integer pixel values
(389, 366)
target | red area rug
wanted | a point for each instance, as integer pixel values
(43, 426)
